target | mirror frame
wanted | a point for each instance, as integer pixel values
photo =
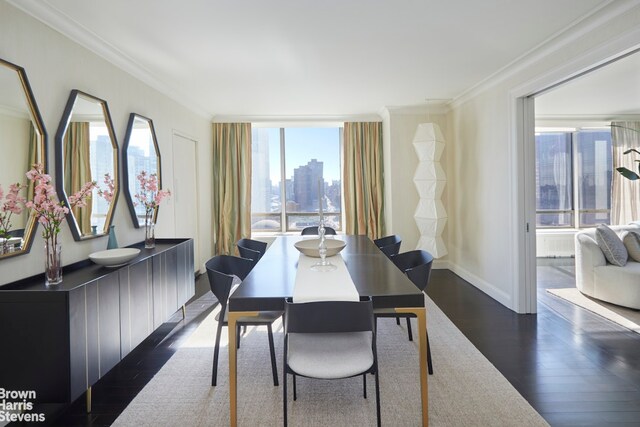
(125, 166)
(62, 195)
(38, 124)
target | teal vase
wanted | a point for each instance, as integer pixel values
(113, 242)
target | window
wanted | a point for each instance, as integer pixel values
(293, 165)
(573, 178)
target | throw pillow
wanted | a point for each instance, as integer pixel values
(631, 240)
(611, 245)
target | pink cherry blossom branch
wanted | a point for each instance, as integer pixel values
(110, 191)
(48, 210)
(149, 195)
(13, 204)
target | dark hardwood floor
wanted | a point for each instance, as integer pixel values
(575, 368)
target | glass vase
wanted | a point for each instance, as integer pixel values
(323, 264)
(52, 263)
(149, 235)
(112, 243)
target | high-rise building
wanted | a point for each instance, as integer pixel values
(261, 178)
(141, 156)
(101, 160)
(555, 184)
(305, 185)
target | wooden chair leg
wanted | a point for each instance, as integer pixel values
(274, 368)
(409, 329)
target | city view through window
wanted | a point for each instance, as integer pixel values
(300, 166)
(101, 160)
(141, 156)
(573, 178)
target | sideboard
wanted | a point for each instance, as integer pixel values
(59, 341)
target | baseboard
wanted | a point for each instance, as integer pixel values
(497, 294)
(440, 265)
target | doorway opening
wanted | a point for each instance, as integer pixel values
(575, 160)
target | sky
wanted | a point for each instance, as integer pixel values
(302, 145)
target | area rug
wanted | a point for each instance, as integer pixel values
(465, 390)
(623, 316)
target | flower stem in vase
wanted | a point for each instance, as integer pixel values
(149, 233)
(53, 263)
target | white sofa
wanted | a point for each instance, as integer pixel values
(599, 279)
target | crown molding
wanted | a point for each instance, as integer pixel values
(588, 117)
(15, 113)
(291, 121)
(45, 12)
(48, 14)
(581, 27)
(422, 109)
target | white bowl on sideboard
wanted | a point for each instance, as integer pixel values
(114, 257)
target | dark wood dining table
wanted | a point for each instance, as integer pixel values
(374, 275)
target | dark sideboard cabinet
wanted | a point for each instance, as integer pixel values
(60, 341)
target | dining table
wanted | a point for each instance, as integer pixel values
(374, 275)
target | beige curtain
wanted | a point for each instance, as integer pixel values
(231, 185)
(625, 194)
(77, 169)
(363, 179)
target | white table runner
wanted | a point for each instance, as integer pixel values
(333, 285)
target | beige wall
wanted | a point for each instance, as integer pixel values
(55, 65)
(480, 196)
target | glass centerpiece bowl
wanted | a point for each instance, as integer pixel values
(310, 247)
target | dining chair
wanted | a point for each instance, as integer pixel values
(417, 266)
(309, 231)
(330, 340)
(225, 272)
(251, 249)
(389, 245)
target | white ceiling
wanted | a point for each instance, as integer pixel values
(308, 57)
(610, 91)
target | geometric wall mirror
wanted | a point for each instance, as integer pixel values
(141, 153)
(23, 142)
(87, 150)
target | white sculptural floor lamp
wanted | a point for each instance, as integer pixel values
(430, 180)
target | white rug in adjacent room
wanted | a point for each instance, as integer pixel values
(623, 316)
(465, 390)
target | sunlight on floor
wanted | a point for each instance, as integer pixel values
(201, 338)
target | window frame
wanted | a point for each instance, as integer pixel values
(576, 212)
(283, 215)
